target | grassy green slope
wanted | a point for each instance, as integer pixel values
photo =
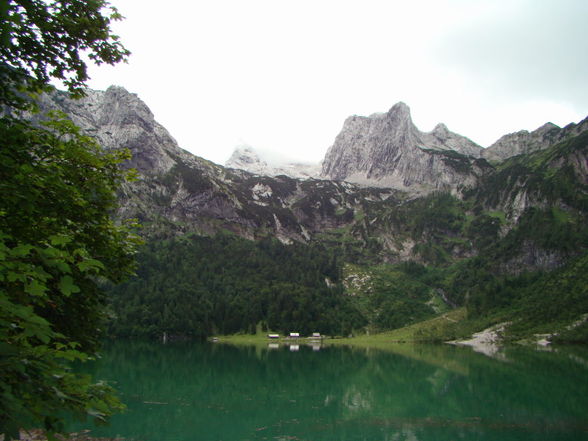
(528, 263)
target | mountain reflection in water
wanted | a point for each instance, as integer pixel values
(185, 391)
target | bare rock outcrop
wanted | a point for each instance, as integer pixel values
(387, 150)
(523, 141)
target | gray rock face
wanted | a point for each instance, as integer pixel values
(441, 138)
(178, 192)
(119, 119)
(526, 142)
(387, 150)
(246, 158)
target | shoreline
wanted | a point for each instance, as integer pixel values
(41, 435)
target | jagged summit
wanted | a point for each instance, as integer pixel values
(399, 110)
(547, 126)
(120, 119)
(524, 141)
(440, 129)
(388, 150)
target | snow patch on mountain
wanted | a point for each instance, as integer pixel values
(266, 163)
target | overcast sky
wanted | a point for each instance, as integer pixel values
(283, 75)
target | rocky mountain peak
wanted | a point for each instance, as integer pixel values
(245, 157)
(245, 154)
(120, 119)
(547, 127)
(399, 111)
(524, 141)
(399, 122)
(440, 130)
(388, 150)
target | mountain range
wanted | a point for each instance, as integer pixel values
(475, 220)
(387, 150)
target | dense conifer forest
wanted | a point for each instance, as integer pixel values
(197, 286)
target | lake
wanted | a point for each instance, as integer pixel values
(199, 391)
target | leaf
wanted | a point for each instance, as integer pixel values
(7, 350)
(60, 239)
(36, 288)
(90, 265)
(58, 187)
(67, 286)
(63, 267)
(21, 250)
(14, 276)
(39, 274)
(72, 355)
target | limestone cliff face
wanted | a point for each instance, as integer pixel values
(443, 139)
(527, 142)
(387, 150)
(119, 119)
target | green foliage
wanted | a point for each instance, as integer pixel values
(398, 300)
(490, 279)
(534, 302)
(44, 40)
(393, 296)
(548, 233)
(545, 229)
(549, 302)
(57, 242)
(484, 230)
(198, 286)
(573, 334)
(506, 264)
(508, 278)
(192, 179)
(436, 223)
(551, 176)
(449, 326)
(433, 216)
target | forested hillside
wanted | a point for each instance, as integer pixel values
(511, 249)
(197, 286)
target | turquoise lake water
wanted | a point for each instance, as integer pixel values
(197, 391)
